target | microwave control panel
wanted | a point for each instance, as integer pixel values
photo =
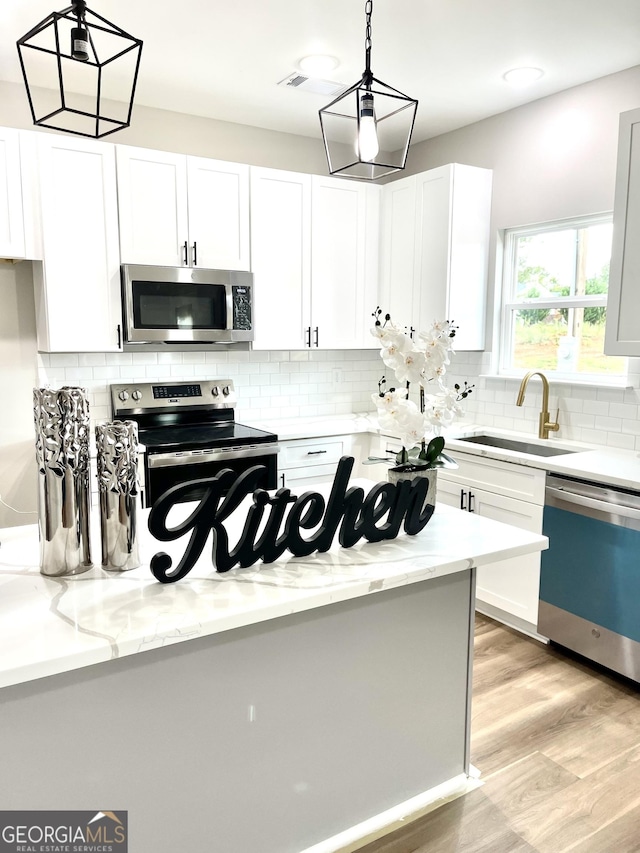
(241, 297)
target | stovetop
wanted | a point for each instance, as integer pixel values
(202, 436)
(184, 415)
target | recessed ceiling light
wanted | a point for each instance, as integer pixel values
(522, 76)
(318, 65)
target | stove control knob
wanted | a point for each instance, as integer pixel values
(137, 395)
(225, 390)
(123, 395)
(215, 390)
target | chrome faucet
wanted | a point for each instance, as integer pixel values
(545, 426)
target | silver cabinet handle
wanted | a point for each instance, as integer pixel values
(307, 336)
(317, 337)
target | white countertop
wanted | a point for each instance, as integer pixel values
(52, 625)
(608, 465)
(605, 465)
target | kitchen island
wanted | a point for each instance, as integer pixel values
(284, 707)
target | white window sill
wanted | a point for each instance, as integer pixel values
(621, 383)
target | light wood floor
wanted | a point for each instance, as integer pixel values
(558, 745)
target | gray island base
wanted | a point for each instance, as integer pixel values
(293, 707)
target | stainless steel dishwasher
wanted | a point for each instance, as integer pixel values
(590, 576)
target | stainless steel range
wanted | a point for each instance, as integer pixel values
(189, 431)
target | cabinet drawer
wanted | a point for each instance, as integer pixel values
(515, 481)
(299, 479)
(296, 454)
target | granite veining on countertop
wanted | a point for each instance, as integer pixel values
(52, 625)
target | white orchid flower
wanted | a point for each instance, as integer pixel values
(411, 368)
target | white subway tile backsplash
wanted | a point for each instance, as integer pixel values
(144, 358)
(300, 383)
(75, 375)
(118, 358)
(619, 439)
(181, 369)
(623, 410)
(169, 358)
(91, 359)
(63, 359)
(595, 407)
(610, 424)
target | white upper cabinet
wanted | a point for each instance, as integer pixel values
(435, 250)
(152, 206)
(177, 210)
(218, 194)
(314, 247)
(622, 335)
(77, 284)
(344, 262)
(281, 257)
(12, 239)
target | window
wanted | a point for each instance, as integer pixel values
(555, 300)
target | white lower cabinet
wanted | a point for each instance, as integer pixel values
(511, 494)
(308, 462)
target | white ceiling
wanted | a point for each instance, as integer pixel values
(223, 58)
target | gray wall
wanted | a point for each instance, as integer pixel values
(551, 159)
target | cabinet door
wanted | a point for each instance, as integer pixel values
(12, 243)
(281, 257)
(78, 282)
(398, 296)
(622, 336)
(342, 225)
(152, 205)
(218, 194)
(511, 585)
(453, 207)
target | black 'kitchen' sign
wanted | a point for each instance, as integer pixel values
(349, 509)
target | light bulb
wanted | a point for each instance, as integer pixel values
(79, 44)
(367, 145)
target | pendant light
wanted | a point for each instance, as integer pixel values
(76, 65)
(367, 130)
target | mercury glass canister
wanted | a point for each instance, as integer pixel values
(119, 494)
(62, 451)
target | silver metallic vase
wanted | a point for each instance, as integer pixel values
(117, 446)
(62, 452)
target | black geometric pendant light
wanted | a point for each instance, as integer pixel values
(367, 130)
(90, 62)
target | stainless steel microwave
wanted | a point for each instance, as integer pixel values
(184, 305)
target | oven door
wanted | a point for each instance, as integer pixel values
(186, 305)
(164, 470)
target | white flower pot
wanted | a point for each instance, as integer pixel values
(410, 472)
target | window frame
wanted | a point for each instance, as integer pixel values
(509, 304)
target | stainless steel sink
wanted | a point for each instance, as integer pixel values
(519, 446)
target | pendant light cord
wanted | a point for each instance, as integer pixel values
(368, 76)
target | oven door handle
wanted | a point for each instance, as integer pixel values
(190, 457)
(572, 498)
